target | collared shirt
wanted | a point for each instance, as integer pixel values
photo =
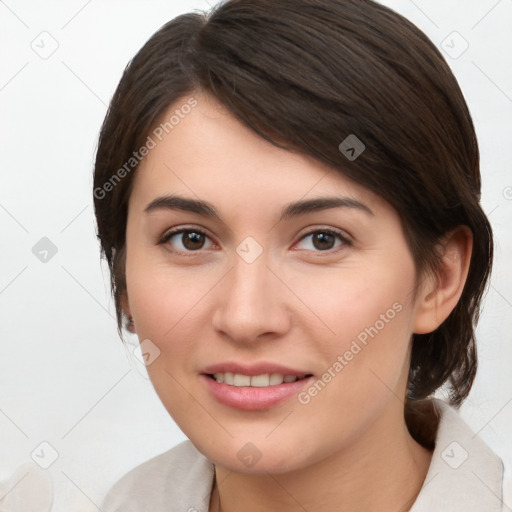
(465, 475)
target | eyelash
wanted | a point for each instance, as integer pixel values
(341, 236)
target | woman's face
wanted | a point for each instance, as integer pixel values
(258, 287)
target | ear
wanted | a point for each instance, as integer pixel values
(441, 290)
(125, 308)
(125, 305)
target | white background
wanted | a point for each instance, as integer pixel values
(65, 377)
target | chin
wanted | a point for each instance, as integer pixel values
(258, 457)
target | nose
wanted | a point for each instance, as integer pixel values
(251, 303)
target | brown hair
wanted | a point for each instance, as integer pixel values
(304, 75)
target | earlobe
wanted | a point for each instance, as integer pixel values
(125, 307)
(442, 290)
(130, 325)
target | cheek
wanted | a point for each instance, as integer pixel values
(348, 304)
(165, 308)
(364, 325)
(167, 303)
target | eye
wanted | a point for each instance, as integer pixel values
(186, 240)
(323, 240)
(193, 240)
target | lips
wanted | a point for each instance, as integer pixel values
(254, 398)
(253, 387)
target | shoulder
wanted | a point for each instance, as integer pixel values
(465, 474)
(180, 478)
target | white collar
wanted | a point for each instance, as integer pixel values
(464, 474)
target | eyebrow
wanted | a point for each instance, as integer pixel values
(174, 202)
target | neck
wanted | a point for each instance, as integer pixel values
(383, 470)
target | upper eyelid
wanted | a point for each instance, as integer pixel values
(336, 231)
(181, 229)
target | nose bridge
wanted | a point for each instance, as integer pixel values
(250, 302)
(250, 282)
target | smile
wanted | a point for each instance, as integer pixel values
(255, 381)
(262, 393)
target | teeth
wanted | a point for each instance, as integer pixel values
(241, 380)
(260, 381)
(276, 378)
(256, 381)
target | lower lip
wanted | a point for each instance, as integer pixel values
(253, 398)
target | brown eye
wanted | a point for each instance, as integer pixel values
(186, 240)
(322, 240)
(192, 240)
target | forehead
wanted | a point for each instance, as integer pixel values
(209, 153)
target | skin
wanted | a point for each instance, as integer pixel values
(295, 304)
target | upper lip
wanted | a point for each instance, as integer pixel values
(261, 368)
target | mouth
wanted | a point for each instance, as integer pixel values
(255, 381)
(251, 388)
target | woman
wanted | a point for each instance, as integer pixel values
(287, 195)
